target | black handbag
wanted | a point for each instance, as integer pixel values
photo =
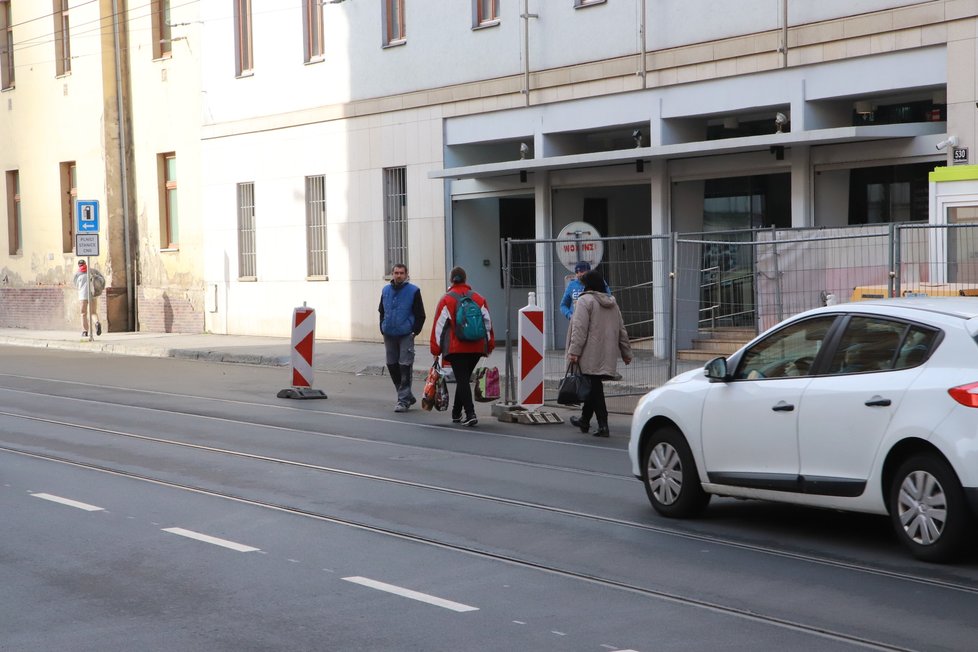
(575, 386)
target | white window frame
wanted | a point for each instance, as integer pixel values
(247, 233)
(395, 217)
(317, 241)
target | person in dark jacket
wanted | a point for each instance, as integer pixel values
(401, 319)
(596, 339)
(462, 354)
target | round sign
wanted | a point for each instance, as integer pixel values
(577, 242)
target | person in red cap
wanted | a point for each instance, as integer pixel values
(81, 281)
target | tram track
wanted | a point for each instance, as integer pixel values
(461, 493)
(647, 592)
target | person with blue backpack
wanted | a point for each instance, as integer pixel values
(462, 334)
(401, 319)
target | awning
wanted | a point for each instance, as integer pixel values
(831, 136)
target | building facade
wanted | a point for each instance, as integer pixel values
(101, 102)
(317, 143)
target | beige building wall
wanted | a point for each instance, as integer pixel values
(50, 119)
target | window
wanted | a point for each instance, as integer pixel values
(316, 243)
(15, 236)
(395, 217)
(894, 193)
(62, 42)
(869, 344)
(247, 262)
(312, 30)
(6, 45)
(394, 22)
(244, 60)
(169, 222)
(788, 352)
(485, 12)
(69, 193)
(162, 40)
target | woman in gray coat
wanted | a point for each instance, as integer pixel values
(596, 338)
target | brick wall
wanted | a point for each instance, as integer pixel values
(40, 308)
(170, 311)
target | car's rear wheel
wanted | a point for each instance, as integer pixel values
(928, 509)
(670, 476)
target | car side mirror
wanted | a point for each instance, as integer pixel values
(716, 370)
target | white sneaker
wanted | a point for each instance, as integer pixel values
(400, 407)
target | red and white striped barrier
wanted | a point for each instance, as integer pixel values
(303, 340)
(529, 390)
(303, 344)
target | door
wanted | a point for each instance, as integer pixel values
(750, 424)
(844, 415)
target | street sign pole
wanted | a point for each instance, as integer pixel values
(86, 244)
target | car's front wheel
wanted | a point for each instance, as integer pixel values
(670, 476)
(928, 509)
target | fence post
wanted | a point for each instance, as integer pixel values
(893, 278)
(674, 303)
(778, 297)
(506, 248)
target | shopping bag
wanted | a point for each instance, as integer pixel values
(430, 392)
(441, 393)
(486, 384)
(575, 386)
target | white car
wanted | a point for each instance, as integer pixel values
(868, 407)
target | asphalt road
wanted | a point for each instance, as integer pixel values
(160, 504)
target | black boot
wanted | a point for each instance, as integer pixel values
(395, 372)
(602, 430)
(581, 424)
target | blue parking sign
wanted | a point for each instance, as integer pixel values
(86, 216)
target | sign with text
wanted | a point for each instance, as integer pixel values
(86, 244)
(577, 242)
(86, 216)
(959, 156)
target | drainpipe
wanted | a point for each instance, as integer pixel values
(641, 48)
(784, 33)
(124, 171)
(526, 16)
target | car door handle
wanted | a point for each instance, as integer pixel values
(878, 401)
(783, 407)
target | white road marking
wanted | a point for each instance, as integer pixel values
(413, 595)
(209, 539)
(69, 502)
(519, 622)
(554, 631)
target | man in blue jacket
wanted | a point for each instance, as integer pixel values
(575, 287)
(401, 319)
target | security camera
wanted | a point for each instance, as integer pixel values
(951, 140)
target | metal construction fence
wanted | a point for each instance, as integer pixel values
(682, 295)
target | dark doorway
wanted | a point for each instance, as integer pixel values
(517, 221)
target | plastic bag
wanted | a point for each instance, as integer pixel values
(486, 384)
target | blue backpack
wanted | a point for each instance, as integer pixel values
(469, 325)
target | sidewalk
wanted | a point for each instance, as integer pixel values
(329, 356)
(362, 358)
